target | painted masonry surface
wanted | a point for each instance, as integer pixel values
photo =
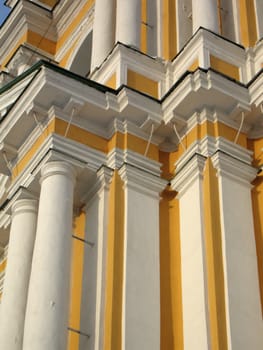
(131, 167)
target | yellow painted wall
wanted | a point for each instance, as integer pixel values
(138, 145)
(112, 81)
(80, 135)
(49, 2)
(141, 83)
(224, 67)
(194, 66)
(114, 271)
(22, 163)
(40, 42)
(77, 261)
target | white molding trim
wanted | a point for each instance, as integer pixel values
(234, 169)
(208, 146)
(187, 175)
(103, 181)
(142, 181)
(117, 157)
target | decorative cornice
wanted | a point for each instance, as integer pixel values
(211, 145)
(9, 96)
(203, 44)
(234, 169)
(102, 183)
(188, 97)
(141, 181)
(25, 16)
(54, 148)
(23, 59)
(188, 174)
(117, 157)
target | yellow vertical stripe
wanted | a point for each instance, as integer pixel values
(257, 201)
(214, 259)
(169, 29)
(76, 281)
(114, 279)
(248, 22)
(144, 27)
(170, 274)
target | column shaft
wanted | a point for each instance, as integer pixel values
(205, 14)
(103, 31)
(21, 244)
(48, 300)
(128, 29)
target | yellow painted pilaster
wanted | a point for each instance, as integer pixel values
(257, 201)
(77, 262)
(144, 27)
(214, 259)
(170, 274)
(114, 272)
(248, 22)
(169, 29)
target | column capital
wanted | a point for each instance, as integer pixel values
(21, 206)
(58, 168)
(141, 180)
(189, 173)
(233, 168)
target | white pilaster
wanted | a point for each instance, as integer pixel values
(103, 31)
(128, 26)
(93, 295)
(205, 14)
(243, 307)
(20, 251)
(188, 183)
(48, 298)
(141, 279)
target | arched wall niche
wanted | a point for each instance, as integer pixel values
(80, 59)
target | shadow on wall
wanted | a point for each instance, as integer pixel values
(81, 62)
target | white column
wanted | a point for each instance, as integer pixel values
(128, 29)
(141, 273)
(205, 14)
(188, 183)
(243, 306)
(103, 31)
(93, 295)
(20, 251)
(48, 298)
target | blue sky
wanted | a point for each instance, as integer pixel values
(3, 11)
